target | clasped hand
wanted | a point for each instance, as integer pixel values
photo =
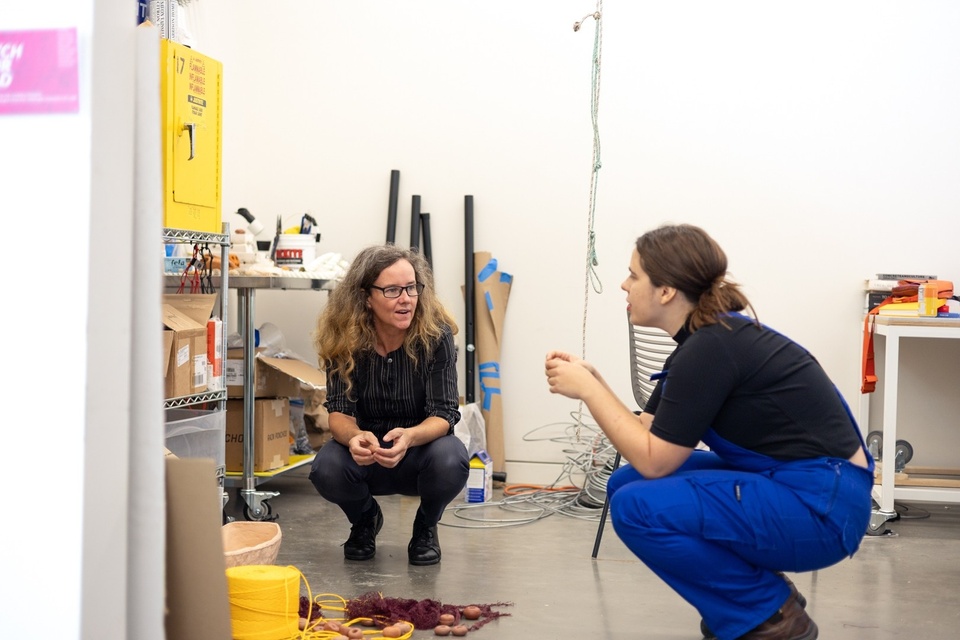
(568, 375)
(367, 450)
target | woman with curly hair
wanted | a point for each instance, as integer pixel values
(386, 342)
(786, 483)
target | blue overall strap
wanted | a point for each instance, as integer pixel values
(736, 456)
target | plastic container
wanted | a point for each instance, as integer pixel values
(197, 433)
(295, 249)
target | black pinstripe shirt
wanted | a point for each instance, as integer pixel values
(390, 391)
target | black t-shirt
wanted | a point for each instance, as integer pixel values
(756, 388)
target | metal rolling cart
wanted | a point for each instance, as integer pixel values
(219, 396)
(896, 480)
(256, 504)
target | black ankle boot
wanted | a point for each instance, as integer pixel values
(424, 548)
(362, 543)
(709, 635)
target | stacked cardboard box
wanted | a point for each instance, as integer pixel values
(271, 428)
(275, 381)
(185, 343)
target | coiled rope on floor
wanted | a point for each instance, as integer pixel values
(578, 491)
(264, 601)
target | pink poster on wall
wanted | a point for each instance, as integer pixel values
(39, 71)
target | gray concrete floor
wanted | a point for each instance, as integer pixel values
(901, 586)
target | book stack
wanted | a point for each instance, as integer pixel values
(878, 289)
(900, 309)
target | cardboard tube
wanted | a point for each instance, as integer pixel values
(491, 295)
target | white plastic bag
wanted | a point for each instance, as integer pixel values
(471, 429)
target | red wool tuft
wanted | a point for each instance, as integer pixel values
(423, 614)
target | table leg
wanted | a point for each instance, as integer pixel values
(890, 391)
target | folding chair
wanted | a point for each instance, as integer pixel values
(649, 348)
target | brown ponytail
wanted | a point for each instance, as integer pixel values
(686, 258)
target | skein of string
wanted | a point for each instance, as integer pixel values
(264, 602)
(265, 605)
(591, 277)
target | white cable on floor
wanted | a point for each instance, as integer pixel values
(590, 458)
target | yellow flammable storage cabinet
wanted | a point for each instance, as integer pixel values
(191, 92)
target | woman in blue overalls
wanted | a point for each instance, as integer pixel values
(786, 483)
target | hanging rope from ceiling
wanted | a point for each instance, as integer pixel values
(591, 278)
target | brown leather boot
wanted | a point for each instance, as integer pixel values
(791, 622)
(709, 635)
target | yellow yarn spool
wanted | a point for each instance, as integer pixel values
(264, 602)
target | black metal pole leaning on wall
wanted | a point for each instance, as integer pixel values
(468, 278)
(415, 223)
(425, 235)
(392, 206)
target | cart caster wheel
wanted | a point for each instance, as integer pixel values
(265, 514)
(875, 444)
(904, 454)
(877, 526)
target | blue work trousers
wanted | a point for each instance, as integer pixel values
(717, 531)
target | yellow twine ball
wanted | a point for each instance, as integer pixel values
(264, 601)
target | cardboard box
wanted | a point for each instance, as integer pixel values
(480, 480)
(186, 374)
(197, 601)
(167, 346)
(271, 434)
(272, 377)
(185, 318)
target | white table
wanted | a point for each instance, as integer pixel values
(893, 329)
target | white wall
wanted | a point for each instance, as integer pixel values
(817, 141)
(45, 184)
(66, 197)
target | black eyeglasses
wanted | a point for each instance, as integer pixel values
(413, 290)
